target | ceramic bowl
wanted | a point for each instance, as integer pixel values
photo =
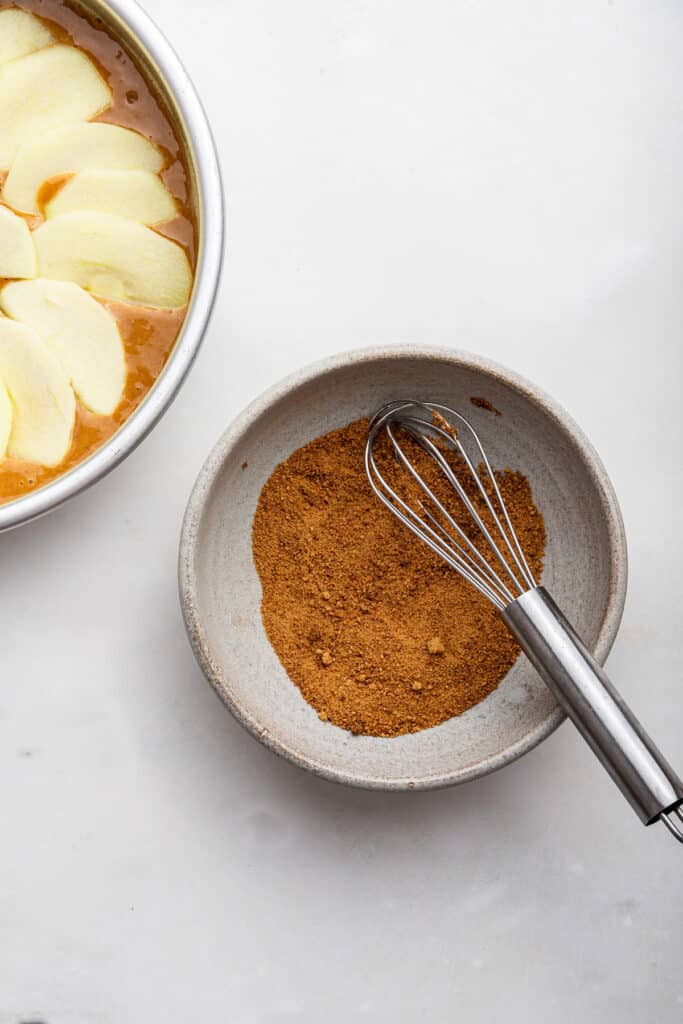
(220, 592)
(143, 40)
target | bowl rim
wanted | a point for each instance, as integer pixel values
(197, 136)
(189, 548)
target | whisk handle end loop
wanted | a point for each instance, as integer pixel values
(585, 692)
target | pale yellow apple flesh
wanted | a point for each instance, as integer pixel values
(139, 195)
(21, 34)
(51, 87)
(17, 252)
(114, 257)
(79, 331)
(43, 403)
(72, 148)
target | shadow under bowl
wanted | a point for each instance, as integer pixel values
(585, 565)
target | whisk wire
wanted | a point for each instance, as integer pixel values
(407, 515)
(674, 827)
(443, 464)
(509, 536)
(478, 563)
(440, 531)
(492, 580)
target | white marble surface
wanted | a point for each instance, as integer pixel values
(503, 177)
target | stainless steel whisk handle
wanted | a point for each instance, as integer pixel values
(585, 692)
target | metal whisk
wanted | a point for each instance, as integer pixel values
(564, 663)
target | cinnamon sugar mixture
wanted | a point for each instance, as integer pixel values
(380, 635)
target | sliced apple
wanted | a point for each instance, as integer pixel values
(20, 34)
(5, 419)
(79, 331)
(114, 257)
(139, 195)
(72, 148)
(43, 403)
(51, 87)
(17, 252)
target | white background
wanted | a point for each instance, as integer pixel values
(503, 177)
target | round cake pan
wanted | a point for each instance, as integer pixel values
(144, 42)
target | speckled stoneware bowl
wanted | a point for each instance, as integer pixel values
(220, 591)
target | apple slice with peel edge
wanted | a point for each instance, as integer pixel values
(51, 87)
(20, 34)
(17, 252)
(80, 332)
(139, 195)
(43, 402)
(72, 148)
(114, 257)
(5, 419)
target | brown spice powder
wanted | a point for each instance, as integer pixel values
(380, 635)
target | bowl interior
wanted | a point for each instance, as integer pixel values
(584, 570)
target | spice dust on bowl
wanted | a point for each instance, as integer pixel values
(337, 639)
